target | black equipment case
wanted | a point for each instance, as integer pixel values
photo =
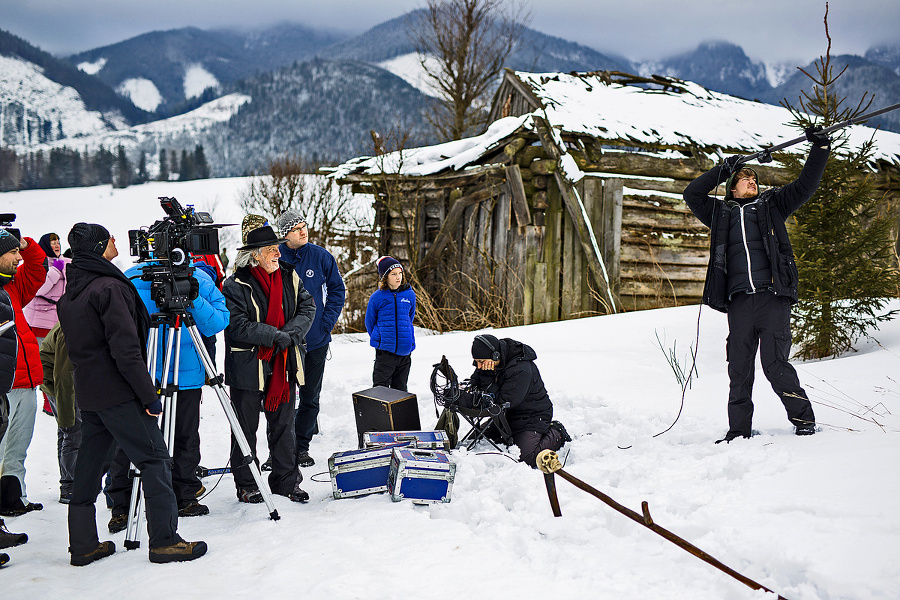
(385, 409)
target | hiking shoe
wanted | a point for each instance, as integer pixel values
(180, 551)
(304, 459)
(8, 539)
(201, 491)
(297, 494)
(267, 466)
(805, 429)
(4, 558)
(192, 508)
(249, 495)
(562, 430)
(102, 550)
(731, 435)
(118, 522)
(20, 508)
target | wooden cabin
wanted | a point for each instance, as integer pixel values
(570, 203)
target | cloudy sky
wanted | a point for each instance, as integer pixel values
(770, 30)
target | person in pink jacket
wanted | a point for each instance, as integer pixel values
(41, 312)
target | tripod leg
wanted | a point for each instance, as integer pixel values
(133, 532)
(219, 387)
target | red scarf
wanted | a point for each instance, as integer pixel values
(278, 390)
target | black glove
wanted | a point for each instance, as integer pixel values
(732, 164)
(155, 408)
(282, 341)
(764, 157)
(816, 137)
(195, 289)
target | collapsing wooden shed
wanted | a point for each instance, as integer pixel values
(570, 203)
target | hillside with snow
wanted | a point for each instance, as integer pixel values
(812, 518)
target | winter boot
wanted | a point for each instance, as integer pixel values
(118, 522)
(267, 466)
(102, 550)
(562, 430)
(304, 459)
(192, 508)
(249, 495)
(180, 551)
(4, 558)
(8, 540)
(805, 429)
(298, 494)
(11, 503)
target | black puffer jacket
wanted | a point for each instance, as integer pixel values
(775, 206)
(247, 330)
(9, 345)
(517, 380)
(106, 328)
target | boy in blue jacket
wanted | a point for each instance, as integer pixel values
(389, 321)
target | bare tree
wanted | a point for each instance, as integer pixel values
(462, 46)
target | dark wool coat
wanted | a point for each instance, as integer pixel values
(775, 206)
(27, 281)
(106, 326)
(517, 380)
(389, 320)
(247, 330)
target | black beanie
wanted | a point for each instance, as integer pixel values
(484, 346)
(8, 242)
(88, 237)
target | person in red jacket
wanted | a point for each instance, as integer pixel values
(20, 283)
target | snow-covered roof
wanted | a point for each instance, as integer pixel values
(625, 114)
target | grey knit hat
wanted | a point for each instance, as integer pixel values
(288, 220)
(8, 242)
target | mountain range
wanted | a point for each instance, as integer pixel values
(293, 89)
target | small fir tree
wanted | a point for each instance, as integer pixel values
(842, 236)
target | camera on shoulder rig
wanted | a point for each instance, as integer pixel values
(6, 221)
(167, 246)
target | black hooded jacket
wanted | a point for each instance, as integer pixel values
(9, 345)
(106, 327)
(774, 207)
(517, 380)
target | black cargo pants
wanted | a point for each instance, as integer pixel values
(761, 320)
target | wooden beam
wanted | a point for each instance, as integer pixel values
(451, 222)
(576, 210)
(520, 201)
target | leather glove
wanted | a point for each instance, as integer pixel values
(195, 289)
(816, 137)
(282, 341)
(155, 408)
(59, 264)
(732, 164)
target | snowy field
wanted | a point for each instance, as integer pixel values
(810, 518)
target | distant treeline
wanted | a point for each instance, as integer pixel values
(62, 167)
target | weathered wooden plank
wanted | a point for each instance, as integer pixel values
(519, 201)
(650, 271)
(542, 298)
(661, 288)
(611, 219)
(656, 239)
(501, 229)
(553, 254)
(573, 205)
(664, 255)
(451, 223)
(647, 218)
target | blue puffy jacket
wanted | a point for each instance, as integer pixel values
(389, 320)
(210, 314)
(320, 276)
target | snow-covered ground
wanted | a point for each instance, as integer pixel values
(811, 518)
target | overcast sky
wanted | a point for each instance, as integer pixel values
(771, 30)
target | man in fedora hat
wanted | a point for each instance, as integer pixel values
(271, 313)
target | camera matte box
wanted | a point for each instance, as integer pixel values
(385, 409)
(423, 476)
(431, 440)
(360, 472)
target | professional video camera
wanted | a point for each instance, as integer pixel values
(6, 221)
(170, 242)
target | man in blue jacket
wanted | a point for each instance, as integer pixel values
(211, 316)
(320, 276)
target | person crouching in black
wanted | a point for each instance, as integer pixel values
(506, 369)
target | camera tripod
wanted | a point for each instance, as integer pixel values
(172, 323)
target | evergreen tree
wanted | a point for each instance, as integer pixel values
(841, 237)
(104, 161)
(142, 176)
(201, 167)
(186, 172)
(163, 165)
(173, 163)
(122, 170)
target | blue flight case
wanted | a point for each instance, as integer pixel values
(432, 440)
(423, 476)
(360, 472)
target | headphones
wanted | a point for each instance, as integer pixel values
(495, 352)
